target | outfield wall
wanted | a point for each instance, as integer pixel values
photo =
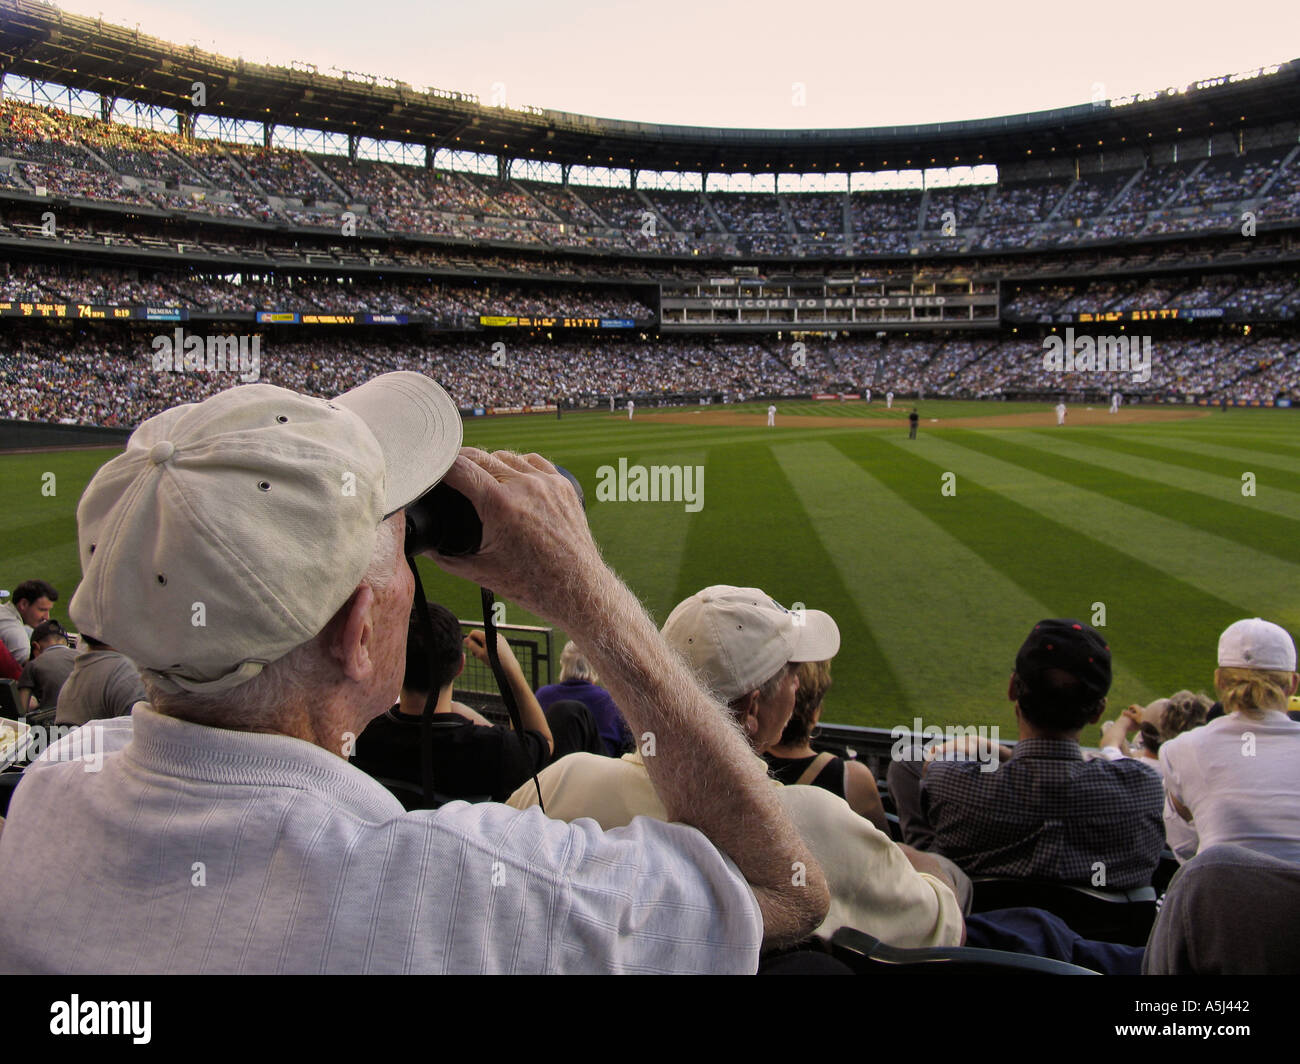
(36, 435)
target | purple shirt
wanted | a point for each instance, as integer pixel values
(609, 721)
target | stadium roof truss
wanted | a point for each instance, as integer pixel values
(40, 42)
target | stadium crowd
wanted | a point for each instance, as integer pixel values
(73, 156)
(447, 301)
(103, 376)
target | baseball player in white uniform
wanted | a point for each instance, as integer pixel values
(1060, 413)
(771, 416)
(889, 400)
(631, 406)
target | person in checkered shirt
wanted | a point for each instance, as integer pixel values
(1043, 812)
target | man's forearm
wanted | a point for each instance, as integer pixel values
(537, 551)
(702, 768)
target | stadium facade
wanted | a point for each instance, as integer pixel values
(527, 257)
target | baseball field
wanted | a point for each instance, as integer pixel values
(935, 556)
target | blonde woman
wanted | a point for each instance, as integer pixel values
(1238, 777)
(793, 760)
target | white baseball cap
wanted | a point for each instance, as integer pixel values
(738, 638)
(1256, 644)
(232, 530)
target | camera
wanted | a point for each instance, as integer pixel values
(444, 520)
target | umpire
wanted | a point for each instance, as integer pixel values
(912, 419)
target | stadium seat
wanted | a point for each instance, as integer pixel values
(1123, 916)
(41, 717)
(869, 956)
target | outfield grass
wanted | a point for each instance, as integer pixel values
(933, 593)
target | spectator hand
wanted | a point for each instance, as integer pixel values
(537, 550)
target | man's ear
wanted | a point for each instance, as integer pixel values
(461, 667)
(1013, 688)
(746, 710)
(354, 640)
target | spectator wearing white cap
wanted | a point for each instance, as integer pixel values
(745, 648)
(247, 554)
(1238, 777)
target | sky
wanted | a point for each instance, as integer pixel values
(757, 63)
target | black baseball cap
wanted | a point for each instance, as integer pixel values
(1071, 647)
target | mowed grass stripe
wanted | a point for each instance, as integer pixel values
(1267, 445)
(1242, 458)
(688, 436)
(1060, 566)
(28, 504)
(1194, 458)
(773, 543)
(39, 531)
(1211, 502)
(644, 541)
(930, 600)
(1227, 569)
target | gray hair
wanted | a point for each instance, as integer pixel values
(575, 666)
(767, 690)
(294, 680)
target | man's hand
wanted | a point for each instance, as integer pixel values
(966, 748)
(476, 645)
(537, 550)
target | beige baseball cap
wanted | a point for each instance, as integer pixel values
(737, 638)
(1256, 644)
(232, 530)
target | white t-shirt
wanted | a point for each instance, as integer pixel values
(771, 410)
(1240, 778)
(196, 849)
